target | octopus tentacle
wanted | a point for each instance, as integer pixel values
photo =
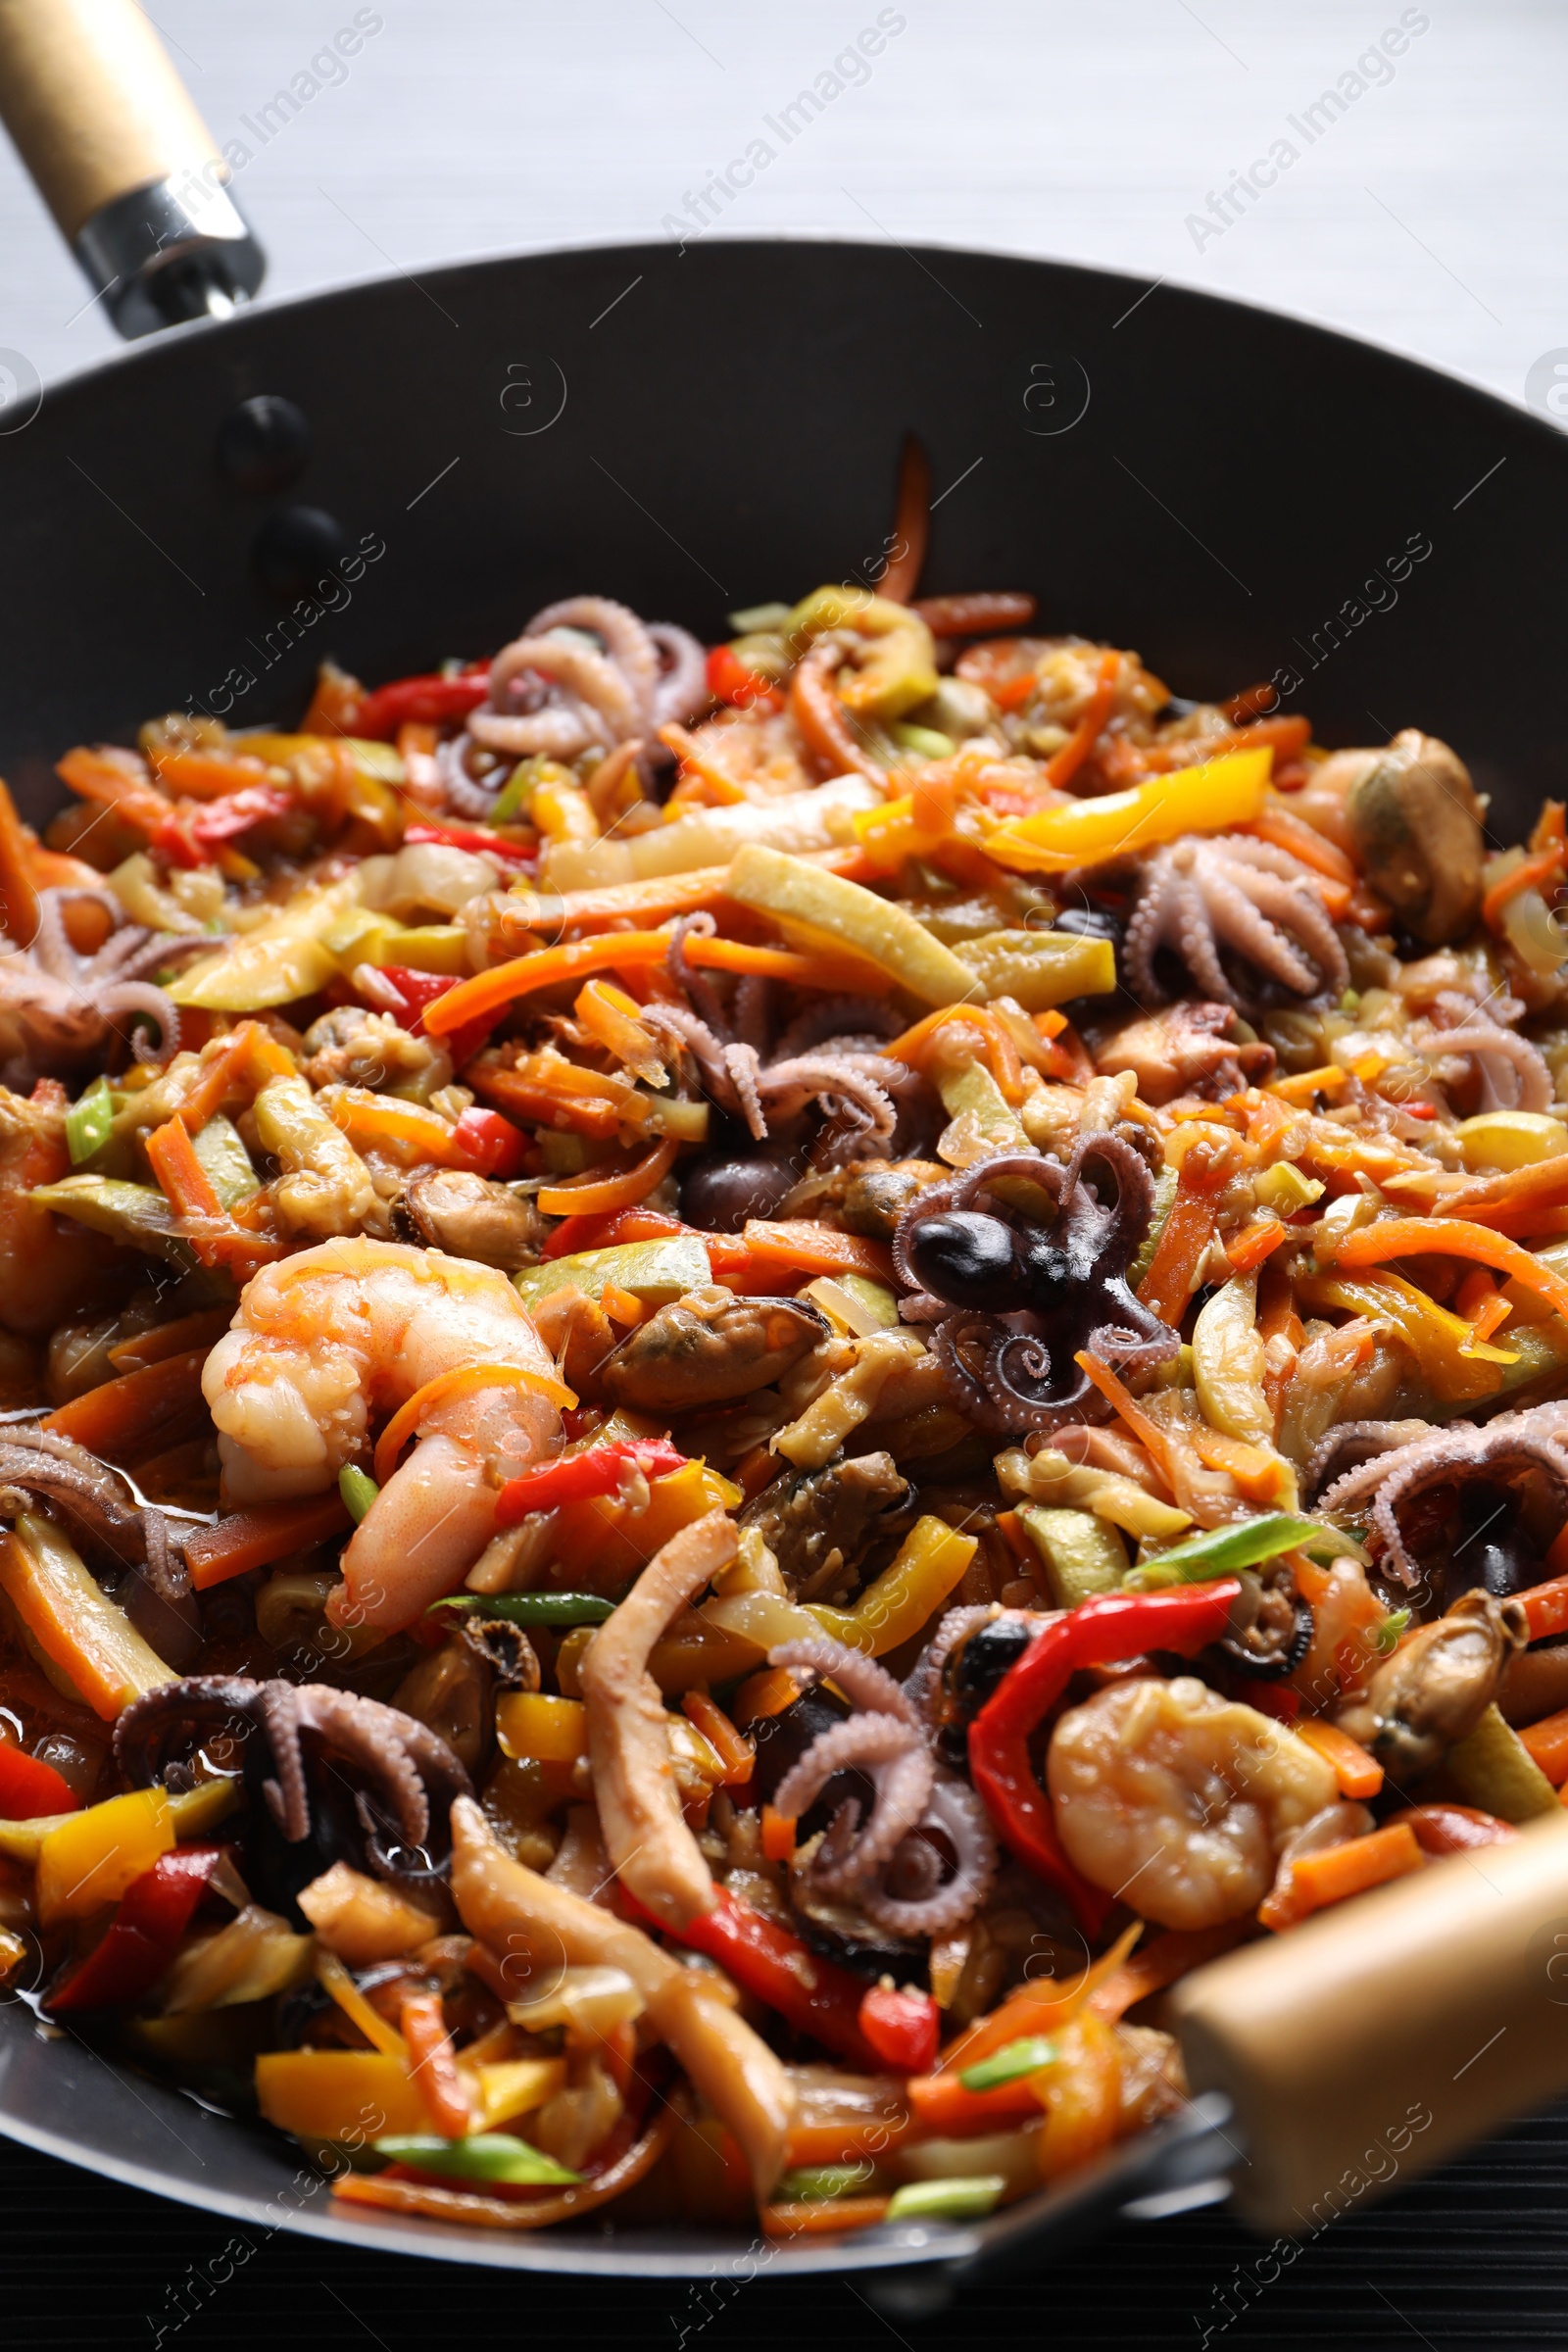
(1533, 1440)
(627, 640)
(859, 1678)
(955, 1809)
(680, 690)
(1514, 1074)
(1255, 898)
(835, 1017)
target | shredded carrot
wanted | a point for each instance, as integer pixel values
(1287, 831)
(1159, 1962)
(1547, 1744)
(186, 1182)
(1149, 1433)
(256, 1537)
(847, 973)
(249, 1043)
(523, 1094)
(943, 2109)
(1330, 1080)
(1545, 867)
(913, 1046)
(1360, 1775)
(1039, 2004)
(489, 993)
(818, 1249)
(822, 2216)
(18, 899)
(1182, 1247)
(1452, 1237)
(142, 1414)
(583, 1195)
(1259, 1475)
(1097, 710)
(434, 2065)
(1253, 1245)
(693, 761)
(736, 1753)
(459, 1382)
(1340, 1871)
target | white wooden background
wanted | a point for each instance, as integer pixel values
(1432, 217)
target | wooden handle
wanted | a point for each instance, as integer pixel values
(1373, 2041)
(93, 104)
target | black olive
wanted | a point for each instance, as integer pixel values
(1089, 922)
(974, 1670)
(1492, 1548)
(719, 1195)
(968, 1259)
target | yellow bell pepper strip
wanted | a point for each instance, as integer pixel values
(931, 1560)
(531, 1723)
(826, 912)
(1208, 799)
(513, 2086)
(338, 2094)
(1457, 1365)
(282, 960)
(95, 1855)
(1452, 1237)
(378, 2030)
(71, 1625)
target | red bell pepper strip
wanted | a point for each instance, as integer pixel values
(575, 1477)
(416, 990)
(426, 700)
(477, 838)
(153, 1913)
(490, 1143)
(30, 1788)
(1113, 1625)
(812, 1994)
(730, 681)
(188, 835)
(902, 2028)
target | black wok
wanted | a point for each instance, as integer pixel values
(1238, 495)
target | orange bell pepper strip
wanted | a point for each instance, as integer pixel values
(1254, 1244)
(256, 1537)
(1452, 1237)
(1003, 1058)
(434, 2064)
(1167, 1286)
(585, 1196)
(818, 1249)
(490, 992)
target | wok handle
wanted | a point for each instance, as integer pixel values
(1372, 2042)
(134, 180)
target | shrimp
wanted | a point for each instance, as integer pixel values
(356, 1328)
(1179, 1799)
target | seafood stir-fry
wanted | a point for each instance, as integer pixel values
(742, 1384)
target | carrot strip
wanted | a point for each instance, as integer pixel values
(18, 899)
(1545, 1605)
(521, 1097)
(203, 1329)
(913, 1046)
(434, 2064)
(1547, 1744)
(818, 1249)
(849, 974)
(141, 1412)
(695, 762)
(945, 2110)
(584, 1195)
(1353, 1867)
(1081, 742)
(1148, 1431)
(822, 2216)
(1452, 1237)
(1360, 1775)
(249, 1043)
(1159, 1963)
(255, 1538)
(778, 1834)
(1039, 2004)
(1289, 832)
(1253, 1245)
(206, 775)
(735, 1753)
(489, 993)
(1330, 1080)
(1545, 867)
(186, 1182)
(1168, 1283)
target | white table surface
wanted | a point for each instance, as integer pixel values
(1429, 216)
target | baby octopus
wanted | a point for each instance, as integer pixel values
(57, 1004)
(1026, 1297)
(1196, 896)
(1399, 1465)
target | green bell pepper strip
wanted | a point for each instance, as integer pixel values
(1221, 1550)
(529, 1608)
(486, 2156)
(1112, 1626)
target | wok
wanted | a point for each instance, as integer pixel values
(1238, 495)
